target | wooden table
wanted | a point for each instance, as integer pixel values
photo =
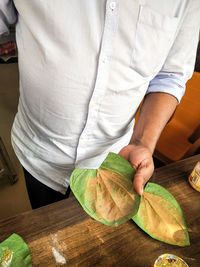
(82, 241)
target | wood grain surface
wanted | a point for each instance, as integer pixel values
(82, 241)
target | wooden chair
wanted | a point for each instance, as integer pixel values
(181, 136)
(6, 168)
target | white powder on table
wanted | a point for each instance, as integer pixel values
(58, 257)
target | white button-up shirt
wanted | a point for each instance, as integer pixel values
(84, 68)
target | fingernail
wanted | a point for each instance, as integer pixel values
(142, 190)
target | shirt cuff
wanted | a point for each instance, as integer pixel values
(3, 28)
(168, 83)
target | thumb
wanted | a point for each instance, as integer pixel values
(142, 175)
(139, 181)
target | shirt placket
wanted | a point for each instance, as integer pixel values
(109, 33)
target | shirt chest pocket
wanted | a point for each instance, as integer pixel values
(154, 36)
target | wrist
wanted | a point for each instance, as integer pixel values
(143, 143)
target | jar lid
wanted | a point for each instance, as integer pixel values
(169, 260)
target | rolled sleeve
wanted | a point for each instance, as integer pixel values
(169, 83)
(8, 15)
(3, 26)
(179, 64)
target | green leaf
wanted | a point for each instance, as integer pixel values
(161, 217)
(14, 252)
(107, 194)
(118, 163)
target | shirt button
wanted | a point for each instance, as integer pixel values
(92, 104)
(104, 59)
(112, 5)
(83, 137)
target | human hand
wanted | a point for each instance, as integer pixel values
(141, 159)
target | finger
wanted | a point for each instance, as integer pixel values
(123, 152)
(142, 175)
(138, 183)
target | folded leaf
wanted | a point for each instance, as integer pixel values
(14, 252)
(107, 194)
(161, 217)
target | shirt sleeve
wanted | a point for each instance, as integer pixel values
(179, 65)
(8, 15)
